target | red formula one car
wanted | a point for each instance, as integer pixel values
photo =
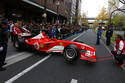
(71, 50)
(20, 34)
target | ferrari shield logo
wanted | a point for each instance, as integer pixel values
(60, 43)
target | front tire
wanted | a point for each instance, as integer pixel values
(71, 53)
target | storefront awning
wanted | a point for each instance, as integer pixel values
(37, 5)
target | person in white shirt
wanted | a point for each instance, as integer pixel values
(11, 31)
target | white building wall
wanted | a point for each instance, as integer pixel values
(80, 7)
(73, 9)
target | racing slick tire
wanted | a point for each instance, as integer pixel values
(16, 44)
(19, 43)
(71, 53)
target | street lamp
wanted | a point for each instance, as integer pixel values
(44, 17)
(57, 4)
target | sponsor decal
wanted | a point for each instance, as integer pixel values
(82, 47)
(56, 48)
(41, 45)
(36, 45)
(60, 43)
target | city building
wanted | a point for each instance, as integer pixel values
(79, 7)
(79, 11)
(29, 10)
(73, 11)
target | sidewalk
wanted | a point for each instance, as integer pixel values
(111, 46)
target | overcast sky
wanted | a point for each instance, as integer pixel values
(92, 7)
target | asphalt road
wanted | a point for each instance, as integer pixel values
(45, 68)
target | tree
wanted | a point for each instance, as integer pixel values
(84, 20)
(103, 15)
(118, 21)
(95, 24)
(116, 8)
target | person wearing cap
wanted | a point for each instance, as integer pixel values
(3, 43)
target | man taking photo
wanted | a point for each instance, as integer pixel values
(3, 43)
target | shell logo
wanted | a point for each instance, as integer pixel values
(60, 43)
(41, 45)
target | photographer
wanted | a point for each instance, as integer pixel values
(3, 43)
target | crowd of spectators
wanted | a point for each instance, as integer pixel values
(60, 31)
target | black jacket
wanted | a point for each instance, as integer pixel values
(109, 33)
(3, 37)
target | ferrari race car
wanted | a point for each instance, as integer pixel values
(19, 36)
(71, 50)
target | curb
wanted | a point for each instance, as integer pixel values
(111, 46)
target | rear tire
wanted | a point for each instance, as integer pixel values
(71, 53)
(16, 44)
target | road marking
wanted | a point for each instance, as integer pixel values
(27, 70)
(78, 36)
(16, 55)
(74, 81)
(123, 68)
(106, 47)
(17, 59)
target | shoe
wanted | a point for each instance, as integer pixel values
(108, 44)
(96, 44)
(2, 69)
(4, 64)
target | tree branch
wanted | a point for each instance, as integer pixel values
(122, 1)
(117, 9)
(122, 10)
